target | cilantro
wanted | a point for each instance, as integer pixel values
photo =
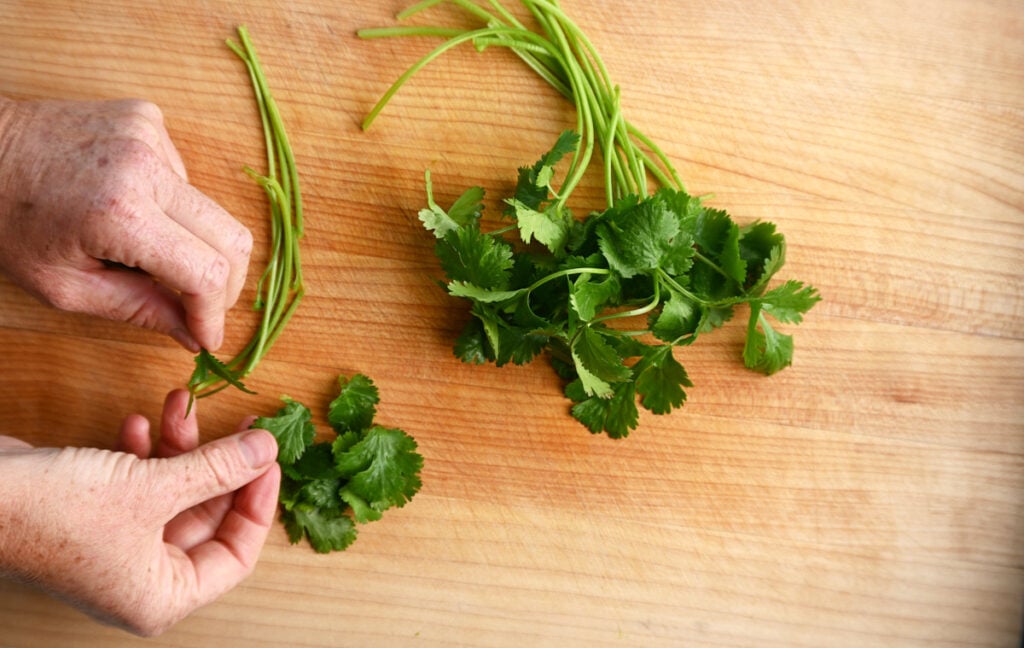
(209, 369)
(355, 406)
(329, 487)
(658, 261)
(280, 289)
(292, 426)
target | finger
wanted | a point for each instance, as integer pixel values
(142, 236)
(211, 223)
(246, 423)
(130, 296)
(198, 524)
(133, 436)
(11, 443)
(178, 433)
(217, 468)
(226, 559)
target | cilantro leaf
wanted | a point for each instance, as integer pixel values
(616, 415)
(717, 238)
(317, 462)
(597, 362)
(766, 350)
(519, 345)
(471, 345)
(467, 206)
(468, 255)
(465, 209)
(382, 470)
(207, 366)
(534, 183)
(327, 529)
(292, 426)
(588, 296)
(550, 227)
(476, 293)
(638, 240)
(355, 406)
(679, 316)
(660, 381)
(789, 302)
(764, 251)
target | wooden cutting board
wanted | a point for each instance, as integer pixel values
(870, 495)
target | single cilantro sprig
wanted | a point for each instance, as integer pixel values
(609, 296)
(328, 487)
(280, 288)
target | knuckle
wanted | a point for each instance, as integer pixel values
(218, 465)
(146, 314)
(145, 109)
(140, 118)
(243, 243)
(214, 276)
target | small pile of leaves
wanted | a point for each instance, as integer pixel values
(329, 486)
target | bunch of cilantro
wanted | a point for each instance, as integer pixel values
(329, 486)
(609, 296)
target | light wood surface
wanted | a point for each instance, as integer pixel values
(870, 495)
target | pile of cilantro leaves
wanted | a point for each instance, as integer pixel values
(329, 486)
(610, 296)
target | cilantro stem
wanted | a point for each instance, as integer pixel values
(636, 312)
(566, 59)
(565, 273)
(426, 30)
(663, 276)
(280, 287)
(441, 49)
(418, 7)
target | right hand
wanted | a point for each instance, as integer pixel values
(92, 193)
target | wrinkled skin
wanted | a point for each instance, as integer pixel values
(142, 536)
(97, 216)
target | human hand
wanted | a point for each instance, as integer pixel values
(93, 192)
(141, 537)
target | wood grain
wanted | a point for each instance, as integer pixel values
(870, 495)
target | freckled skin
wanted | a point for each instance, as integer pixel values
(83, 183)
(97, 216)
(122, 535)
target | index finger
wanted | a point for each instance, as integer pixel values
(212, 224)
(137, 233)
(230, 555)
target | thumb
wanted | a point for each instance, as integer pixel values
(219, 467)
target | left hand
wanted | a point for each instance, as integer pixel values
(142, 537)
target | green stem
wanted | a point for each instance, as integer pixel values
(565, 273)
(636, 312)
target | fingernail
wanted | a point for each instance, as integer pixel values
(218, 340)
(259, 448)
(185, 339)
